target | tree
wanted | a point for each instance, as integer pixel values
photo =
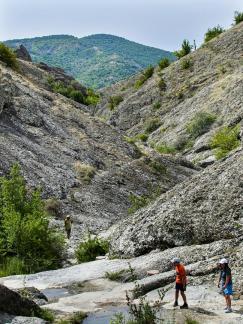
(212, 33)
(238, 17)
(186, 48)
(8, 56)
(25, 232)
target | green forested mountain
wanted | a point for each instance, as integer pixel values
(97, 60)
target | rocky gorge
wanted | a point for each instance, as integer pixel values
(92, 161)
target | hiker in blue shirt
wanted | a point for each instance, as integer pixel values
(225, 283)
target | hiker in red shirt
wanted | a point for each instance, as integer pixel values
(181, 281)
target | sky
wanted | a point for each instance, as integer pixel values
(158, 23)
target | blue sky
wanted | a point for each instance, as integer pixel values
(158, 23)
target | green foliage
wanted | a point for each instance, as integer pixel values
(96, 61)
(162, 84)
(164, 63)
(186, 48)
(212, 33)
(165, 149)
(158, 167)
(8, 56)
(186, 64)
(118, 319)
(156, 105)
(77, 318)
(27, 244)
(115, 276)
(146, 74)
(89, 97)
(46, 315)
(114, 101)
(91, 248)
(142, 137)
(191, 321)
(152, 124)
(137, 202)
(225, 140)
(200, 124)
(142, 313)
(238, 17)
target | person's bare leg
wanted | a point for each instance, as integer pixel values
(176, 295)
(183, 295)
(228, 301)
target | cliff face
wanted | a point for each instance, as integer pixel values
(78, 159)
(208, 206)
(208, 80)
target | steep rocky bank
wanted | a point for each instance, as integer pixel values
(85, 164)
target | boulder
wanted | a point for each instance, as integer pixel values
(13, 303)
(23, 54)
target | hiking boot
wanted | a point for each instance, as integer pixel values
(185, 306)
(175, 304)
(229, 310)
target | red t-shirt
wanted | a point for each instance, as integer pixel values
(180, 273)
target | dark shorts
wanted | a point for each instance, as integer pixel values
(180, 287)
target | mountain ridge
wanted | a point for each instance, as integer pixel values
(96, 60)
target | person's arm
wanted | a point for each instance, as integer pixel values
(219, 280)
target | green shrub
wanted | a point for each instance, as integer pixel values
(158, 167)
(12, 266)
(146, 74)
(157, 105)
(183, 142)
(238, 17)
(165, 149)
(186, 48)
(8, 56)
(142, 137)
(46, 315)
(225, 140)
(162, 84)
(152, 124)
(116, 275)
(142, 313)
(89, 97)
(77, 318)
(164, 63)
(27, 243)
(91, 248)
(191, 321)
(114, 101)
(200, 124)
(212, 33)
(186, 64)
(137, 202)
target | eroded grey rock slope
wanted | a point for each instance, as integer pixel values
(209, 206)
(213, 83)
(50, 136)
(206, 208)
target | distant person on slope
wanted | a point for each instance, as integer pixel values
(68, 226)
(225, 283)
(181, 281)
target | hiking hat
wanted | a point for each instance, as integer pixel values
(175, 260)
(223, 261)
